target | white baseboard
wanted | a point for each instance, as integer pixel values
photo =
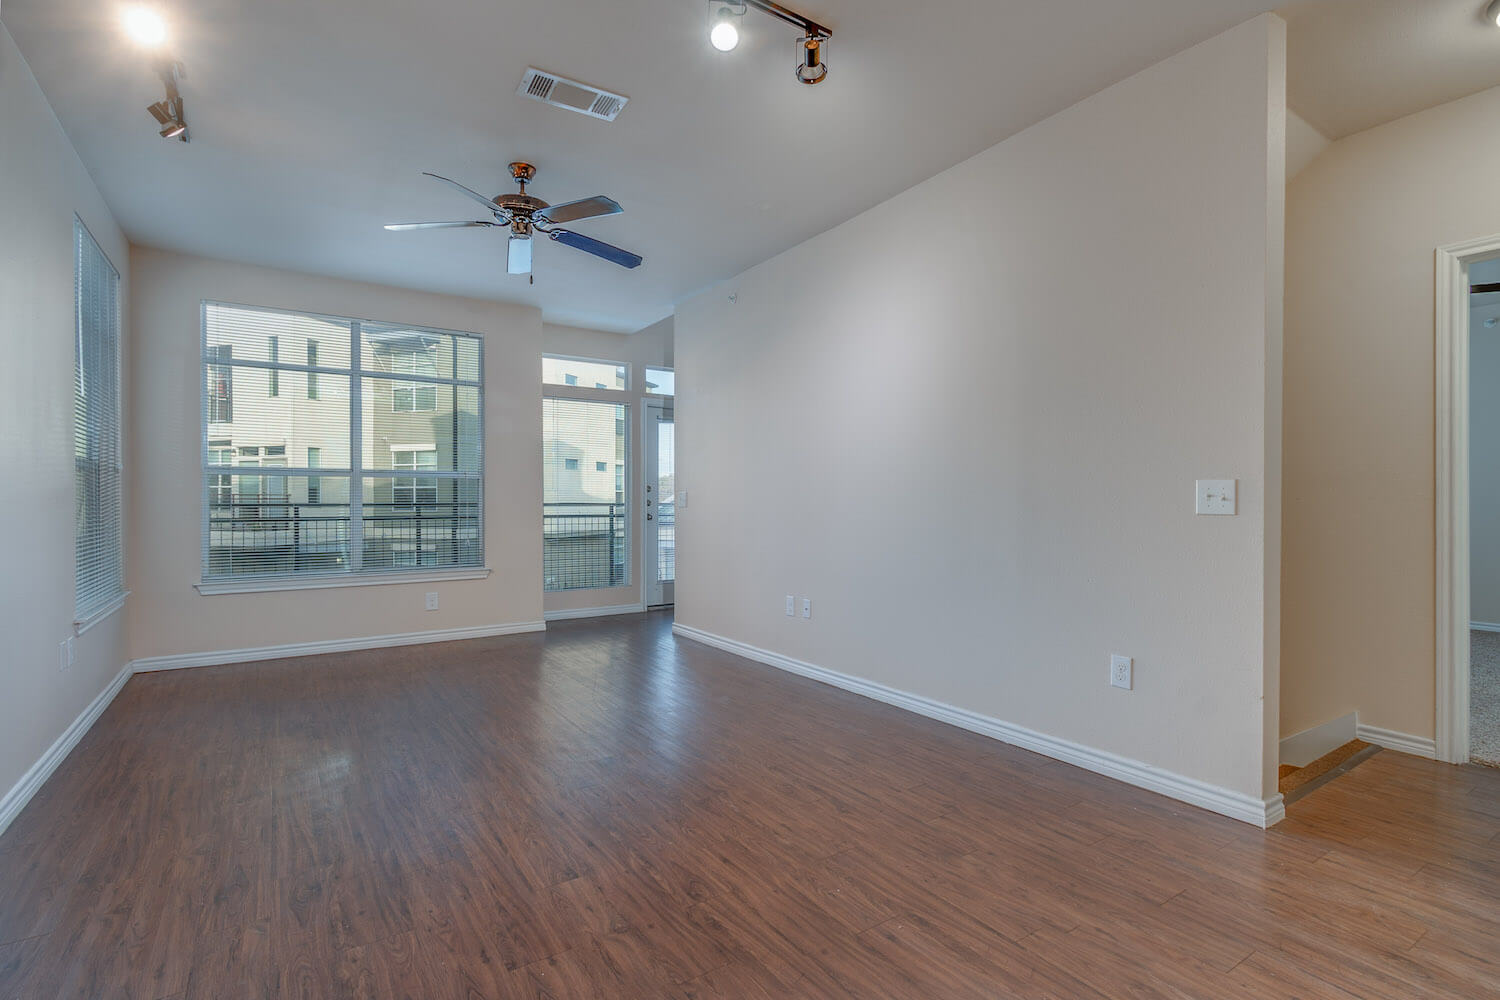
(1420, 746)
(563, 614)
(1310, 744)
(15, 800)
(1485, 626)
(1236, 805)
(180, 661)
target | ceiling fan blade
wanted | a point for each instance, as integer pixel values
(487, 203)
(401, 227)
(518, 258)
(583, 208)
(599, 249)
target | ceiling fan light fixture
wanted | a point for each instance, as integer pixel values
(725, 33)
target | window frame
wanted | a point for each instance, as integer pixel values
(109, 600)
(359, 376)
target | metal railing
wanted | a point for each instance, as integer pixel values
(272, 534)
(584, 545)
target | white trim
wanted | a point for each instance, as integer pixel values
(267, 584)
(115, 604)
(181, 661)
(21, 792)
(1307, 746)
(563, 614)
(1451, 412)
(1484, 626)
(1420, 746)
(1236, 805)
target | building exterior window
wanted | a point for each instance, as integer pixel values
(355, 503)
(600, 466)
(312, 376)
(314, 484)
(571, 464)
(221, 384)
(99, 565)
(408, 491)
(273, 349)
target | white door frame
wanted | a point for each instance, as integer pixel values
(652, 407)
(1452, 391)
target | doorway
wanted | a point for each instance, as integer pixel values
(659, 504)
(1468, 503)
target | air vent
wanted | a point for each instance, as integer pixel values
(560, 92)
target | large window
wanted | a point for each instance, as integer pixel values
(325, 480)
(585, 512)
(99, 566)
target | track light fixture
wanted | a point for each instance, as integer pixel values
(724, 33)
(169, 113)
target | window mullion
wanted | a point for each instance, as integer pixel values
(356, 455)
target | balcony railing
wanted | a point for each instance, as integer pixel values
(584, 545)
(272, 534)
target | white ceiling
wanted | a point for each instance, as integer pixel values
(313, 119)
(1355, 64)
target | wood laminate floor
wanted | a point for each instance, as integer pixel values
(608, 811)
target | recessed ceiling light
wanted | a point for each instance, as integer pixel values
(145, 26)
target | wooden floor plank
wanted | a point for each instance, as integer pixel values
(608, 811)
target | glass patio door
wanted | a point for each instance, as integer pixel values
(660, 505)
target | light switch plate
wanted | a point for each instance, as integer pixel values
(1216, 496)
(791, 605)
(807, 607)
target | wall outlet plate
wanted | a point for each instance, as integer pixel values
(791, 605)
(1120, 670)
(1216, 496)
(432, 600)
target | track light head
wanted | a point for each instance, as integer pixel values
(725, 33)
(810, 66)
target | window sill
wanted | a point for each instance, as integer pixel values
(115, 604)
(268, 584)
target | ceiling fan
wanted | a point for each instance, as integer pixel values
(525, 215)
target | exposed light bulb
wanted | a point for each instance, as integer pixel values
(725, 35)
(145, 26)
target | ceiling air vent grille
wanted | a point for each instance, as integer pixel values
(560, 92)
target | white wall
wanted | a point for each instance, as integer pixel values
(1363, 221)
(42, 185)
(967, 424)
(650, 346)
(167, 615)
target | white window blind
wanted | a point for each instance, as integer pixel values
(300, 472)
(99, 577)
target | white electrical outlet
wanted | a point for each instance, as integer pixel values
(1216, 496)
(432, 600)
(807, 607)
(791, 605)
(1120, 669)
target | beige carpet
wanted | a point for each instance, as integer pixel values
(1484, 697)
